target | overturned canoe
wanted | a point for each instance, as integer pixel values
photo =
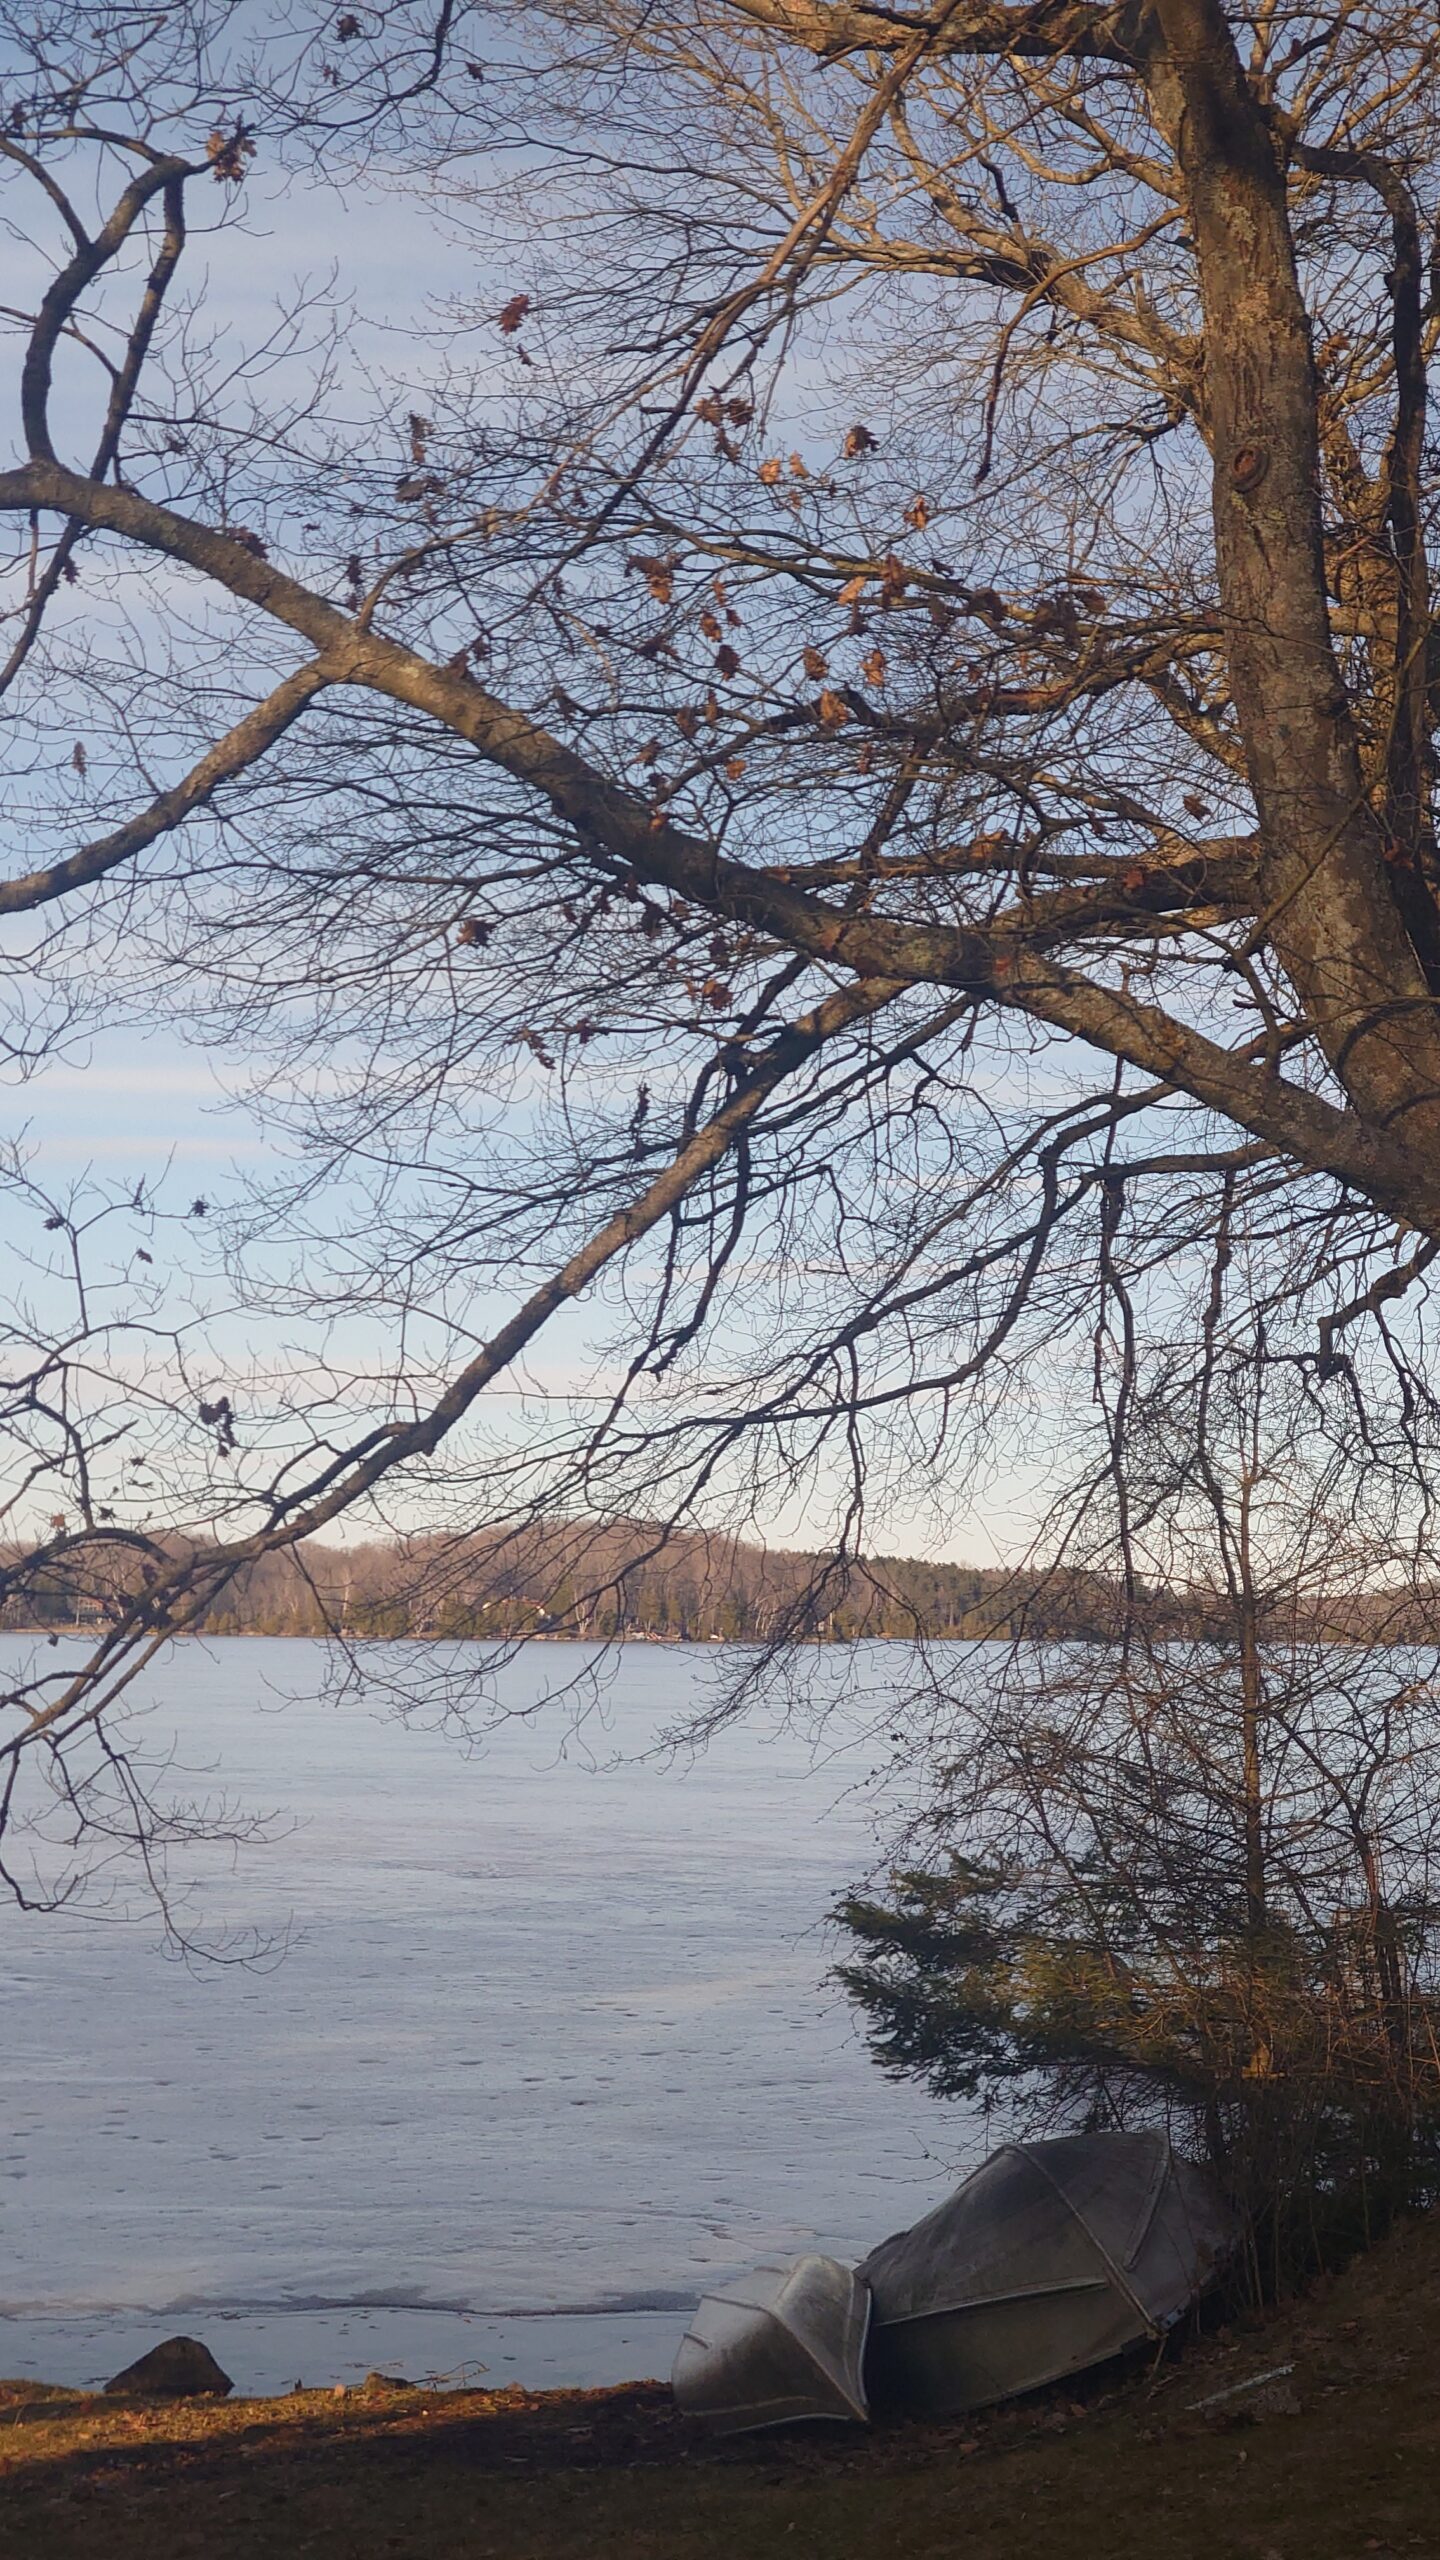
(784, 2343)
(1052, 2257)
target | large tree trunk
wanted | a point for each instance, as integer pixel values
(1328, 899)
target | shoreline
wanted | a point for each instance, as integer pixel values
(1182, 2456)
(541, 1635)
(270, 2348)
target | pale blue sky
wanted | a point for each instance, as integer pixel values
(128, 1104)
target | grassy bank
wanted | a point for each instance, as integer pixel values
(1341, 2460)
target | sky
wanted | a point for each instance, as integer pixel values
(128, 1107)
(127, 1104)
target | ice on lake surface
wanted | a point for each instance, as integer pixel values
(550, 2045)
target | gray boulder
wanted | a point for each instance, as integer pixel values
(178, 2369)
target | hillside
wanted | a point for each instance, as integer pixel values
(593, 1581)
(602, 1581)
(1337, 2461)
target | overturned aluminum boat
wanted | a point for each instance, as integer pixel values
(1052, 2257)
(784, 2343)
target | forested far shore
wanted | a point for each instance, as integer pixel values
(617, 1581)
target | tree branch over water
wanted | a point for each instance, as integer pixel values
(725, 781)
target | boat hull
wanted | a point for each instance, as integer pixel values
(943, 2363)
(1053, 2257)
(782, 2345)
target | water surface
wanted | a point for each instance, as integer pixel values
(550, 2044)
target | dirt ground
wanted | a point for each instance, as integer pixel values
(1336, 2458)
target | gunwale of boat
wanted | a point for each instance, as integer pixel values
(995, 2301)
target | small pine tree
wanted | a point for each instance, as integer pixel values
(1187, 1873)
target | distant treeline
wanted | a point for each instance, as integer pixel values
(618, 1582)
(612, 1581)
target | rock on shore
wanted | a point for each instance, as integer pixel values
(178, 2369)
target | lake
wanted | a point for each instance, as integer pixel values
(544, 2042)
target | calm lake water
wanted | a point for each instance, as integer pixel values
(548, 2047)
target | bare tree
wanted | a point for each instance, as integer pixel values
(841, 767)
